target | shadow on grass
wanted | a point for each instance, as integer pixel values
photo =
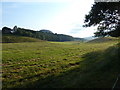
(96, 70)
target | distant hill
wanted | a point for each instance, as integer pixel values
(79, 39)
(46, 31)
(89, 38)
(17, 39)
(102, 39)
(42, 34)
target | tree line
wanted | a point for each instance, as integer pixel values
(37, 34)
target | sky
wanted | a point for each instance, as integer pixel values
(59, 16)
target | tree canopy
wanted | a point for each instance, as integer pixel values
(107, 16)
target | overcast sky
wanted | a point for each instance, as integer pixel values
(62, 16)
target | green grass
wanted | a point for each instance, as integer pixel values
(104, 39)
(60, 65)
(17, 39)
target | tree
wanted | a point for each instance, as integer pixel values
(107, 16)
(6, 30)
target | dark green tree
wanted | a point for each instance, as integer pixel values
(107, 16)
(6, 30)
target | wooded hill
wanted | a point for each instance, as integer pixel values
(42, 34)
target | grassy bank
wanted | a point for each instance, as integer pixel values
(17, 39)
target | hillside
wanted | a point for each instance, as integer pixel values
(60, 65)
(16, 39)
(103, 39)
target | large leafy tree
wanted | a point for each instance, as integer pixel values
(106, 15)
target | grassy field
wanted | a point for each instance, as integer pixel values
(17, 39)
(60, 64)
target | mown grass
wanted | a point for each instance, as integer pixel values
(60, 65)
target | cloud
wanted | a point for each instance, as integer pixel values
(76, 29)
(82, 32)
(71, 19)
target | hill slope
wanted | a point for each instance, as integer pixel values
(16, 39)
(103, 39)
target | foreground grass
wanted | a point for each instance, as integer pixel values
(60, 65)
